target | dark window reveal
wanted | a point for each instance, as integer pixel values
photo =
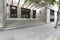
(34, 13)
(52, 15)
(25, 13)
(51, 12)
(51, 20)
(13, 11)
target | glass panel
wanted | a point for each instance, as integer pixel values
(25, 13)
(13, 11)
(51, 12)
(51, 15)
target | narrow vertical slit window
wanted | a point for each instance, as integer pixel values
(51, 15)
(34, 13)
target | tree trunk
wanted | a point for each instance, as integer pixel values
(57, 18)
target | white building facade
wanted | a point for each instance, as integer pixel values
(46, 14)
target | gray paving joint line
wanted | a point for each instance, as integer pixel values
(51, 34)
(18, 28)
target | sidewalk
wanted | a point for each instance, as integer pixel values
(54, 36)
(32, 33)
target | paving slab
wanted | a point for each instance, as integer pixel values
(31, 33)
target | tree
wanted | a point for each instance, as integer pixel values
(58, 3)
(39, 2)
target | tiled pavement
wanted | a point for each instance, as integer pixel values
(42, 32)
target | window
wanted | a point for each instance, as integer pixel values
(51, 12)
(51, 20)
(13, 11)
(25, 13)
(34, 13)
(51, 15)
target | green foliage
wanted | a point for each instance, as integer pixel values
(33, 1)
(36, 1)
(50, 1)
(44, 1)
(26, 1)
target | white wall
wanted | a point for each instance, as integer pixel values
(41, 14)
(48, 16)
(53, 7)
(1, 13)
(40, 11)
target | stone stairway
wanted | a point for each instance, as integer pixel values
(22, 23)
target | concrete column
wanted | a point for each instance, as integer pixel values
(31, 14)
(48, 15)
(55, 16)
(19, 12)
(38, 15)
(8, 11)
(1, 13)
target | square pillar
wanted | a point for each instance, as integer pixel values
(48, 15)
(51, 15)
(55, 16)
(1, 13)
